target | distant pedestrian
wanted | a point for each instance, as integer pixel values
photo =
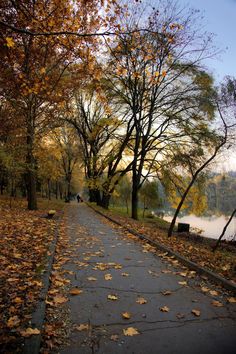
(78, 198)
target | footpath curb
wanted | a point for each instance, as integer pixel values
(33, 343)
(194, 266)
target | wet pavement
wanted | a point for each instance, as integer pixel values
(122, 277)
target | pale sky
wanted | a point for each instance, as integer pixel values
(220, 19)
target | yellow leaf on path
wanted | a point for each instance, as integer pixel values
(196, 312)
(166, 271)
(125, 274)
(58, 299)
(204, 289)
(10, 42)
(126, 315)
(82, 327)
(92, 279)
(29, 332)
(108, 277)
(130, 331)
(213, 292)
(182, 282)
(164, 309)
(141, 301)
(232, 300)
(13, 322)
(114, 337)
(183, 274)
(217, 303)
(112, 297)
(75, 291)
(167, 292)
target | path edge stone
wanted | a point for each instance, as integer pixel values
(32, 344)
(192, 265)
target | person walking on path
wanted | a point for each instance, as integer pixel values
(114, 294)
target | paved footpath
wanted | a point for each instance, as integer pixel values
(155, 291)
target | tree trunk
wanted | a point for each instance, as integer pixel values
(105, 200)
(224, 230)
(134, 213)
(95, 196)
(31, 173)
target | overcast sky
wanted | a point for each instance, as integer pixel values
(220, 19)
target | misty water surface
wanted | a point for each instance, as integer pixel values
(212, 226)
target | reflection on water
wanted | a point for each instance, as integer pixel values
(212, 226)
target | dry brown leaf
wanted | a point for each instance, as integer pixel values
(92, 279)
(182, 282)
(164, 309)
(75, 291)
(130, 331)
(126, 315)
(196, 312)
(232, 300)
(29, 332)
(114, 337)
(58, 299)
(108, 277)
(112, 297)
(213, 292)
(125, 274)
(167, 292)
(141, 301)
(82, 327)
(13, 321)
(217, 303)
(180, 315)
(204, 289)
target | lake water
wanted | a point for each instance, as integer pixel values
(212, 226)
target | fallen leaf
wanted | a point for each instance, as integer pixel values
(130, 331)
(182, 282)
(126, 315)
(114, 337)
(108, 277)
(82, 327)
(167, 292)
(58, 299)
(213, 292)
(141, 301)
(112, 297)
(29, 332)
(183, 274)
(75, 291)
(196, 312)
(217, 303)
(125, 274)
(92, 279)
(164, 309)
(180, 315)
(232, 300)
(166, 271)
(204, 289)
(13, 321)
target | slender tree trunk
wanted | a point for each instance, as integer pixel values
(105, 200)
(134, 213)
(224, 230)
(31, 169)
(134, 197)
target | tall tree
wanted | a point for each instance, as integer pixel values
(33, 66)
(155, 70)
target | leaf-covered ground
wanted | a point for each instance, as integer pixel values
(222, 261)
(24, 243)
